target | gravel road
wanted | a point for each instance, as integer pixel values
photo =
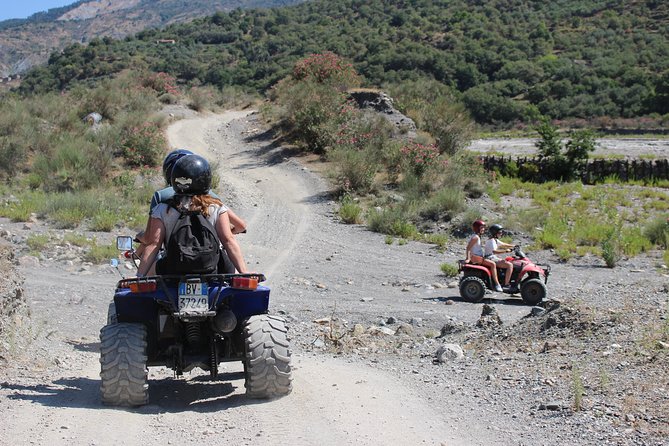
(628, 147)
(366, 320)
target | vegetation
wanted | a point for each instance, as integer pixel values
(508, 61)
(398, 185)
(449, 269)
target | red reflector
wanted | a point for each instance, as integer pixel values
(137, 286)
(245, 283)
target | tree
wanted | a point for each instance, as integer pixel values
(566, 161)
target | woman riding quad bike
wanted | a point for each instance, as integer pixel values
(526, 276)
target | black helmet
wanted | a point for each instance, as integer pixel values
(495, 229)
(191, 175)
(170, 159)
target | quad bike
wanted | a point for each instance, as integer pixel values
(527, 278)
(189, 321)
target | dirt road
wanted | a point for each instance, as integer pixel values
(626, 147)
(51, 395)
(381, 386)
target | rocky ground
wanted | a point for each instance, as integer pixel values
(385, 350)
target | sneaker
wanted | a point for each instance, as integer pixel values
(498, 288)
(513, 289)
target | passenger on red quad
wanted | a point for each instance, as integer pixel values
(495, 246)
(191, 179)
(474, 252)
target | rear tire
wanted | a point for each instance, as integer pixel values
(123, 359)
(533, 291)
(267, 368)
(472, 289)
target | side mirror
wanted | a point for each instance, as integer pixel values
(124, 243)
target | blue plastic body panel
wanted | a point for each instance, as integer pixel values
(143, 307)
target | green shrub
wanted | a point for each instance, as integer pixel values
(76, 239)
(70, 167)
(203, 98)
(449, 269)
(67, 218)
(419, 157)
(437, 239)
(633, 242)
(144, 145)
(389, 239)
(434, 109)
(657, 231)
(26, 204)
(100, 254)
(104, 221)
(444, 204)
(611, 249)
(37, 242)
(392, 222)
(350, 212)
(355, 170)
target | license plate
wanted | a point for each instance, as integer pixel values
(193, 297)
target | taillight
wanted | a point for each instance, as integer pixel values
(245, 283)
(139, 286)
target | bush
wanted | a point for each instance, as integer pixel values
(144, 145)
(419, 157)
(349, 211)
(327, 68)
(100, 254)
(449, 269)
(436, 239)
(27, 203)
(444, 205)
(104, 221)
(657, 231)
(355, 170)
(434, 109)
(203, 98)
(392, 222)
(37, 242)
(611, 249)
(71, 167)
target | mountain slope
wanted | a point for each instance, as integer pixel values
(26, 43)
(508, 60)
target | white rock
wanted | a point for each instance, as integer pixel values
(449, 352)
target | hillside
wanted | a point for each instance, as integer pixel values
(508, 60)
(27, 43)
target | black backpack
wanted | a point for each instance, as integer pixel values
(193, 247)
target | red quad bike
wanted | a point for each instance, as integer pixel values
(527, 277)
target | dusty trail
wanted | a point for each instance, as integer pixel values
(51, 395)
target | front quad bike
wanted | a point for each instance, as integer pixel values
(527, 277)
(184, 322)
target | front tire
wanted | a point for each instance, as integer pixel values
(124, 376)
(533, 291)
(267, 368)
(472, 289)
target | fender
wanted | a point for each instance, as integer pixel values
(530, 268)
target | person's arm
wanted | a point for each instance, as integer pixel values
(468, 251)
(237, 225)
(503, 247)
(153, 239)
(230, 242)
